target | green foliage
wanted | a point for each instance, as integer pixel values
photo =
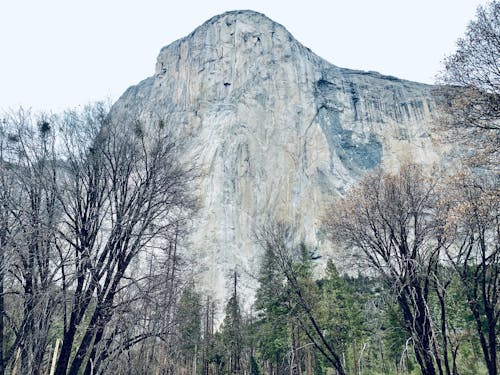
(189, 313)
(216, 352)
(359, 317)
(357, 314)
(272, 304)
(232, 332)
(254, 366)
(340, 312)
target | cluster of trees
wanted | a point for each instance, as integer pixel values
(425, 302)
(91, 217)
(93, 280)
(426, 240)
(426, 299)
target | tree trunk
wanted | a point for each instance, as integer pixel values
(2, 304)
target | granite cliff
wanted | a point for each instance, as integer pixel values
(275, 129)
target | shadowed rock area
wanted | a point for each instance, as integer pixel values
(276, 130)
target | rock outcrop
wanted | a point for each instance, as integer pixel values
(275, 129)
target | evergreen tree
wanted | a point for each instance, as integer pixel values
(232, 331)
(341, 315)
(189, 331)
(273, 314)
(288, 299)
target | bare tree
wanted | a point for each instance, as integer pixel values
(123, 193)
(471, 95)
(388, 221)
(85, 205)
(139, 337)
(28, 220)
(474, 223)
(471, 104)
(6, 234)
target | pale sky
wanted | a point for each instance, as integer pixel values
(57, 54)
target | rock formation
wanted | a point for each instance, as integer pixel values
(276, 130)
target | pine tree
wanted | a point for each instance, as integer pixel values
(189, 331)
(273, 314)
(232, 331)
(340, 314)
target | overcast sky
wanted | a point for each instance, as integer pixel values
(57, 54)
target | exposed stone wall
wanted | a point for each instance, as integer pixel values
(276, 130)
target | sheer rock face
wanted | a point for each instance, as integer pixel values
(276, 130)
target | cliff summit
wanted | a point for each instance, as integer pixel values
(276, 130)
